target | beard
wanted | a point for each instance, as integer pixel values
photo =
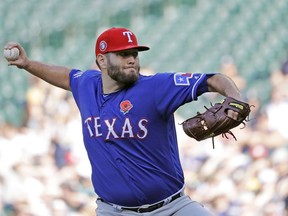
(117, 74)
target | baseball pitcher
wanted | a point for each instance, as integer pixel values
(128, 125)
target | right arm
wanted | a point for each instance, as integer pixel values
(55, 75)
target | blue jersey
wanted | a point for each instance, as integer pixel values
(130, 134)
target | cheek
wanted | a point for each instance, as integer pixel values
(115, 64)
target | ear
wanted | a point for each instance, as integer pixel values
(102, 61)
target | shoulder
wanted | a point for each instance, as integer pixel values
(82, 79)
(75, 73)
(78, 76)
(178, 78)
(157, 76)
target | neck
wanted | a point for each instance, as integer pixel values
(110, 89)
(109, 85)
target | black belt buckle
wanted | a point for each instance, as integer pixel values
(150, 208)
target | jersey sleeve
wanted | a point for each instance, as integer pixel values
(79, 79)
(175, 89)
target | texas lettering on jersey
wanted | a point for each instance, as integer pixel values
(95, 128)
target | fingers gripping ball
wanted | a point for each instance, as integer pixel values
(11, 54)
(215, 120)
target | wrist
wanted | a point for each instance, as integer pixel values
(26, 64)
(236, 96)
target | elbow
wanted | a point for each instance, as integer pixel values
(214, 82)
(224, 85)
(66, 85)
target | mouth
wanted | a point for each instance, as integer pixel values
(130, 69)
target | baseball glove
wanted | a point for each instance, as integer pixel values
(215, 121)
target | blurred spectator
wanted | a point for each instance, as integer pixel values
(278, 105)
(229, 68)
(284, 68)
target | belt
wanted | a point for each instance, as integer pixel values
(149, 208)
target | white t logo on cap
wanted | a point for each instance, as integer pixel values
(128, 34)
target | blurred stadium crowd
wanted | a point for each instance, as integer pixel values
(44, 169)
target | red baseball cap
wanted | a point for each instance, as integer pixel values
(117, 39)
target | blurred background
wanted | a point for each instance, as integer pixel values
(43, 166)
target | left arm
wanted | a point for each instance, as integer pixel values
(223, 85)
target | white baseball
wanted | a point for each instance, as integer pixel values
(11, 54)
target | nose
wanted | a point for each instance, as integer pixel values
(131, 60)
